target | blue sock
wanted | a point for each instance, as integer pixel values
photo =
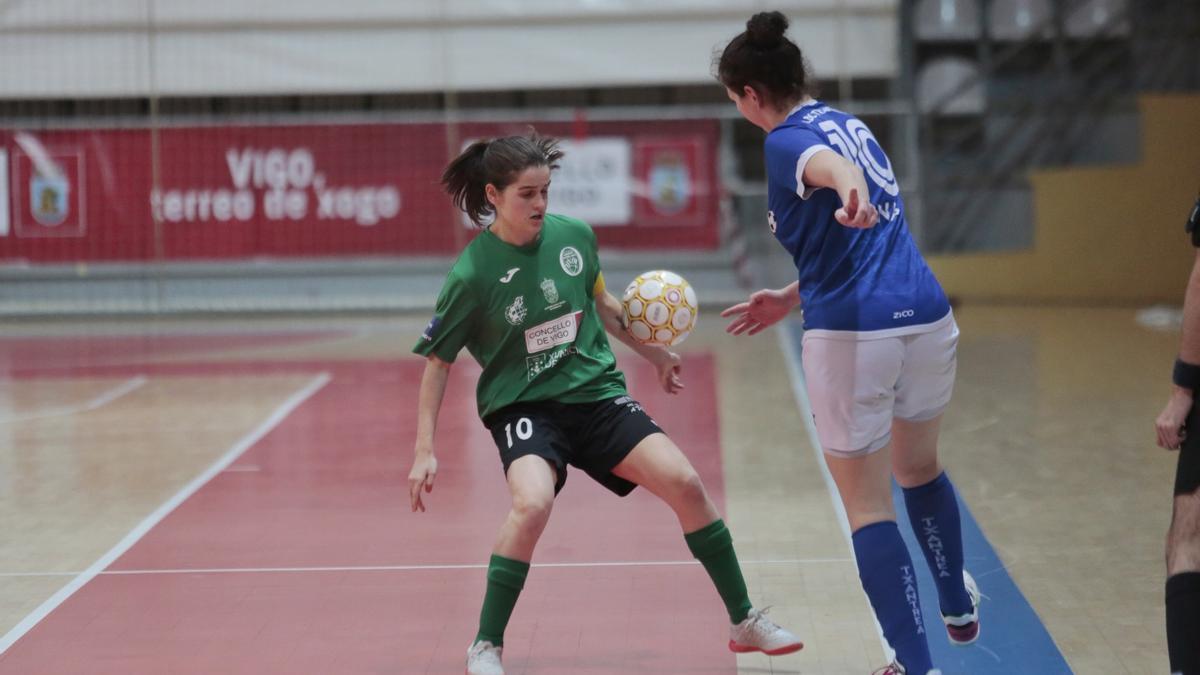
(887, 575)
(933, 512)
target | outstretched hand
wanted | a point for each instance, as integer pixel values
(857, 214)
(764, 308)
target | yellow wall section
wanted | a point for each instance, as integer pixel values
(1102, 235)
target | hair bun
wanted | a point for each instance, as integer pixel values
(766, 29)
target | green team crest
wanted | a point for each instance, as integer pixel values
(570, 260)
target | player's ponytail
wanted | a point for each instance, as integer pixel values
(497, 162)
(464, 179)
(763, 58)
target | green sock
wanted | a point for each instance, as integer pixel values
(505, 579)
(713, 547)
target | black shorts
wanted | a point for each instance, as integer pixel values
(1187, 473)
(594, 437)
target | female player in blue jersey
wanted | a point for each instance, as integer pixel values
(879, 340)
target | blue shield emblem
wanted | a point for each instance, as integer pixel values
(431, 330)
(49, 199)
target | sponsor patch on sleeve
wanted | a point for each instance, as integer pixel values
(431, 330)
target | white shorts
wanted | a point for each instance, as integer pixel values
(857, 386)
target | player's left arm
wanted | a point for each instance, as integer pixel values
(764, 309)
(611, 314)
(828, 169)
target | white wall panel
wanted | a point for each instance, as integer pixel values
(56, 65)
(267, 62)
(73, 48)
(100, 13)
(329, 12)
(82, 14)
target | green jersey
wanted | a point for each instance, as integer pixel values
(528, 316)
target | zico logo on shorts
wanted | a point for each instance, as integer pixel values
(555, 332)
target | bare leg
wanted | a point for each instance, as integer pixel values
(657, 464)
(531, 484)
(1183, 583)
(864, 485)
(1183, 538)
(914, 451)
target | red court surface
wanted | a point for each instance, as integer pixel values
(84, 351)
(303, 557)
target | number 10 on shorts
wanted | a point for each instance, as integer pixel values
(524, 430)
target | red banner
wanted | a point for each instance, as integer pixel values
(240, 192)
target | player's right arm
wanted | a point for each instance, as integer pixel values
(802, 161)
(429, 402)
(830, 170)
(448, 332)
(1186, 377)
(1169, 424)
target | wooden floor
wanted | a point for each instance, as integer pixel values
(112, 437)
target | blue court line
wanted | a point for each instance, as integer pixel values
(1012, 639)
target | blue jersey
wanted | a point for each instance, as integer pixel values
(854, 282)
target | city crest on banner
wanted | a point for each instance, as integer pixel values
(677, 189)
(670, 183)
(49, 199)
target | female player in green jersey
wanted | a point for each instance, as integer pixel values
(528, 301)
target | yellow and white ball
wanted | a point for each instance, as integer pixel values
(660, 308)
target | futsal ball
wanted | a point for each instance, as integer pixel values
(660, 308)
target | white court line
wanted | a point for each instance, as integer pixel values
(100, 401)
(411, 568)
(153, 519)
(784, 333)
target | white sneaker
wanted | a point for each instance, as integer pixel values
(964, 629)
(757, 633)
(483, 658)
